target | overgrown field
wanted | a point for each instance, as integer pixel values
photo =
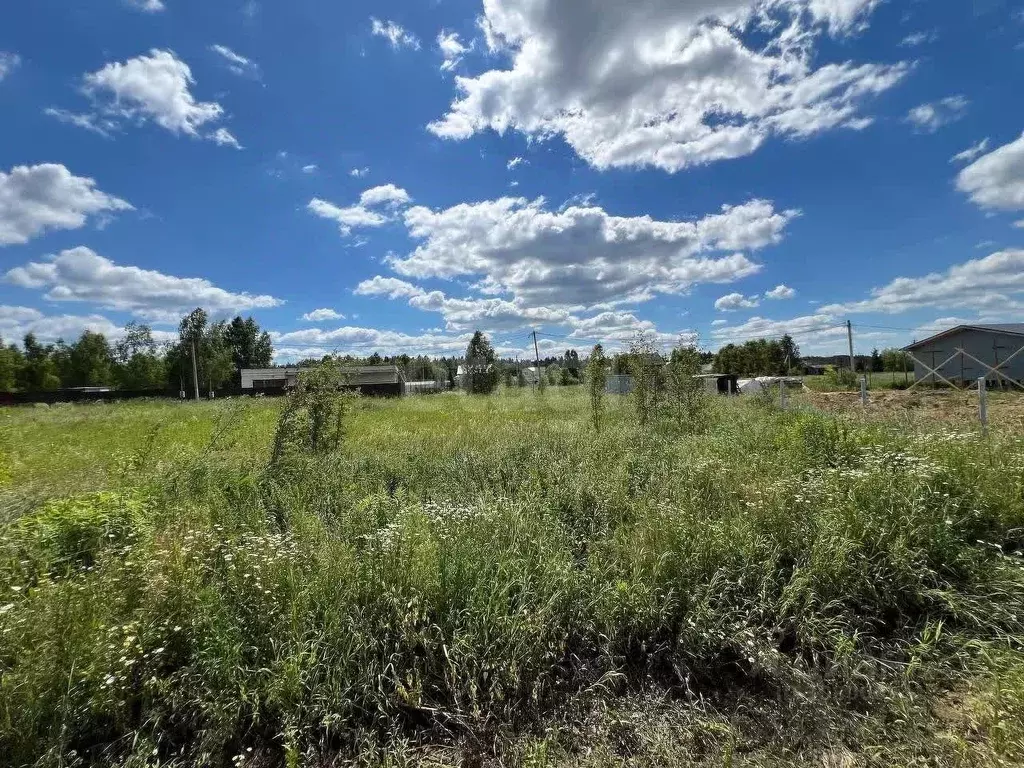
(487, 580)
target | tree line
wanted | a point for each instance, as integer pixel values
(136, 361)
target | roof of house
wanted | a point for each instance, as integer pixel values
(357, 375)
(1013, 329)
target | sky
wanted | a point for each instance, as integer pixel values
(390, 176)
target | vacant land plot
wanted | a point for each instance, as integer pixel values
(488, 580)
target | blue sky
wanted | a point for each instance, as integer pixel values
(391, 176)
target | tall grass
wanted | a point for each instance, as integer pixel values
(468, 574)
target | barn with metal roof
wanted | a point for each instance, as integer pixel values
(963, 354)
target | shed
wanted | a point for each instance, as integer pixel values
(720, 383)
(378, 380)
(965, 353)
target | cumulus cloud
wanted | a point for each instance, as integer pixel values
(8, 63)
(359, 173)
(361, 215)
(996, 180)
(780, 292)
(666, 84)
(37, 198)
(387, 194)
(391, 287)
(349, 218)
(237, 63)
(155, 87)
(360, 341)
(15, 322)
(932, 116)
(820, 327)
(396, 35)
(581, 255)
(452, 49)
(515, 162)
(990, 284)
(80, 274)
(971, 153)
(734, 301)
(311, 168)
(319, 315)
(146, 6)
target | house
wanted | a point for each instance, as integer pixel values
(531, 376)
(378, 380)
(720, 383)
(619, 384)
(965, 353)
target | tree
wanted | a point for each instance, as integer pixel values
(597, 379)
(11, 363)
(139, 366)
(90, 362)
(217, 356)
(876, 361)
(481, 373)
(645, 366)
(686, 396)
(38, 372)
(250, 347)
(791, 353)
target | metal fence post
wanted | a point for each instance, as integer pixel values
(983, 403)
(863, 390)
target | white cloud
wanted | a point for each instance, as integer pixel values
(391, 287)
(666, 84)
(397, 36)
(224, 138)
(359, 172)
(734, 301)
(996, 180)
(719, 322)
(821, 327)
(80, 274)
(387, 194)
(237, 63)
(780, 292)
(316, 342)
(920, 38)
(581, 255)
(319, 315)
(1019, 224)
(147, 6)
(361, 215)
(932, 116)
(352, 217)
(990, 284)
(90, 122)
(37, 198)
(15, 322)
(311, 168)
(515, 162)
(8, 63)
(615, 330)
(971, 153)
(452, 49)
(154, 87)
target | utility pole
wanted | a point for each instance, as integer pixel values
(536, 357)
(849, 338)
(195, 374)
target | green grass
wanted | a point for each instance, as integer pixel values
(474, 580)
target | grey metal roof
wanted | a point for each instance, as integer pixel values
(1014, 329)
